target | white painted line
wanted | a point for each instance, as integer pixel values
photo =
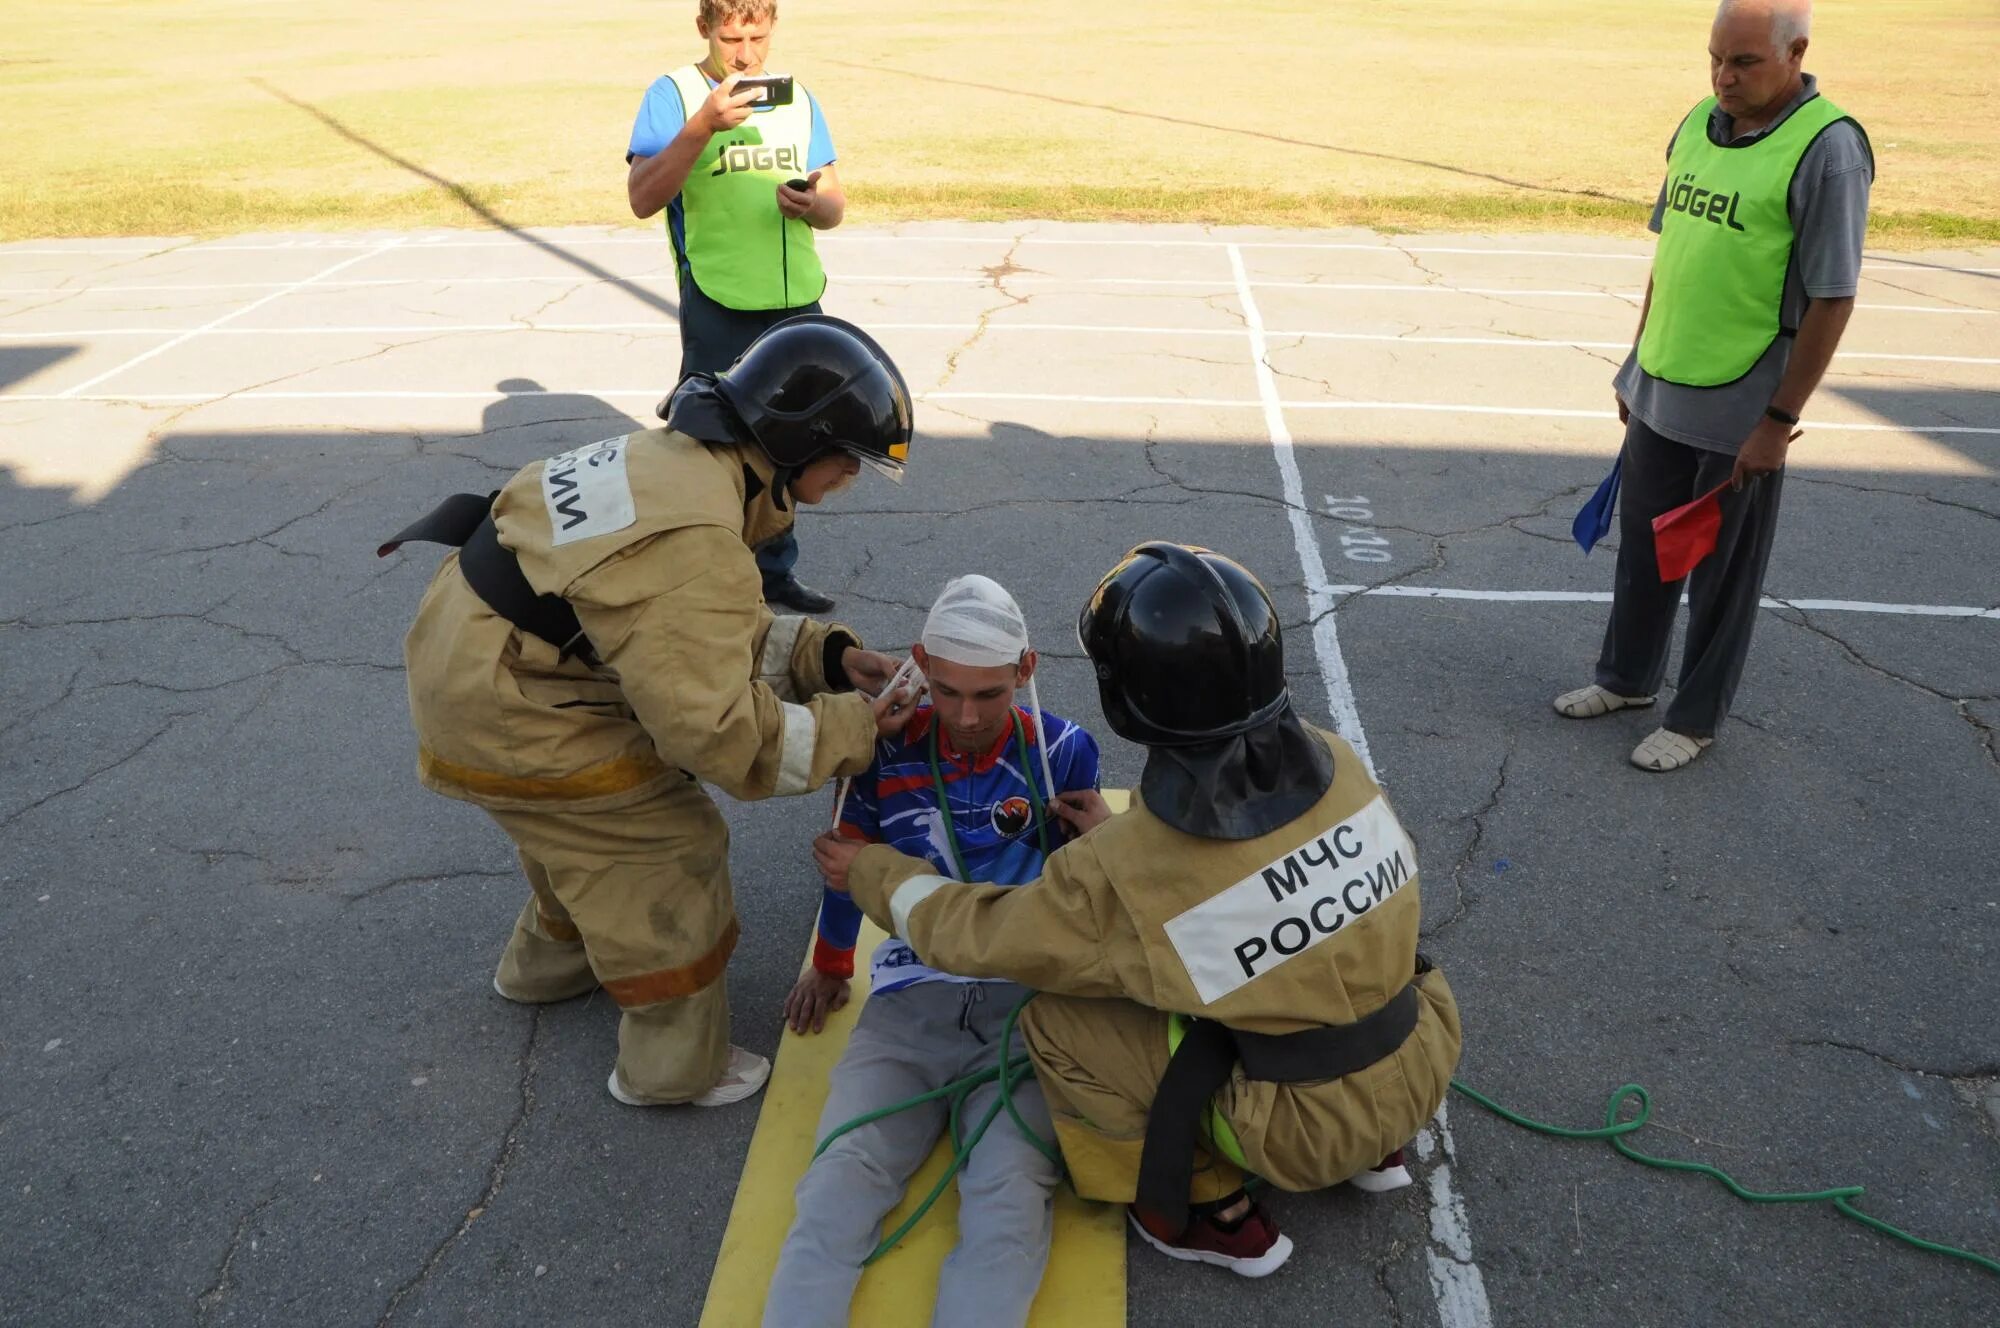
(851, 279)
(1632, 297)
(1425, 288)
(1428, 407)
(1060, 398)
(1456, 1283)
(846, 239)
(1604, 597)
(1551, 412)
(58, 252)
(189, 335)
(1547, 343)
(896, 279)
(1864, 606)
(1305, 540)
(1461, 1299)
(665, 327)
(353, 283)
(274, 394)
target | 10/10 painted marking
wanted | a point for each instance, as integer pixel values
(1361, 543)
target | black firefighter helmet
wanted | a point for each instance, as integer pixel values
(1186, 647)
(814, 384)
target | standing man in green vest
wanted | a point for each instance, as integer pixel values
(1761, 222)
(721, 162)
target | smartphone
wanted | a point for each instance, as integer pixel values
(776, 89)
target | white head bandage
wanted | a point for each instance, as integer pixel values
(975, 622)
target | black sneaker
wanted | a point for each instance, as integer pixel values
(792, 593)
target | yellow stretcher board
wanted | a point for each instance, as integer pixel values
(1084, 1286)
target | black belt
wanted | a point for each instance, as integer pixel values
(1210, 1051)
(464, 521)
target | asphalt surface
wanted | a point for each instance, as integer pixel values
(251, 1067)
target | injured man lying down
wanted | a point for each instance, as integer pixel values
(965, 785)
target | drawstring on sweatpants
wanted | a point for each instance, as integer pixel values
(972, 994)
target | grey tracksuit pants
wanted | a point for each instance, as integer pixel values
(1723, 590)
(905, 1043)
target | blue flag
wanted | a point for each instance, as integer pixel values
(1593, 522)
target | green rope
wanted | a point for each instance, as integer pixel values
(944, 799)
(1009, 1068)
(1006, 1072)
(1616, 1126)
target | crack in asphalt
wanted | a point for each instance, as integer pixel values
(1928, 295)
(996, 277)
(208, 1301)
(266, 537)
(496, 1172)
(99, 772)
(1390, 1258)
(419, 878)
(1463, 900)
(1969, 1069)
(1988, 738)
(1976, 510)
(69, 690)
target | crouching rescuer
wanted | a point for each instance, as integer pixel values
(597, 649)
(1229, 972)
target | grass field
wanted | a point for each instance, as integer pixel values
(210, 116)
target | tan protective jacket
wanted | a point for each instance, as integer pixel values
(1314, 923)
(648, 537)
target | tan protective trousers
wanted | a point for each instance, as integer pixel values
(636, 900)
(1099, 1063)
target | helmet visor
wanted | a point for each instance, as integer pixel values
(890, 467)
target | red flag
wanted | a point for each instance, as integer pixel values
(1686, 535)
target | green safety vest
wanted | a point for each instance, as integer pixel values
(1725, 245)
(743, 252)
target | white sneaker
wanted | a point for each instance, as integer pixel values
(741, 1078)
(1390, 1175)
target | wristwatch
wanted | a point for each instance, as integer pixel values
(1781, 415)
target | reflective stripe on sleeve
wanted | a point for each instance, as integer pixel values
(795, 750)
(908, 895)
(774, 666)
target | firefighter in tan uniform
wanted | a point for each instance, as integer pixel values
(1229, 971)
(598, 649)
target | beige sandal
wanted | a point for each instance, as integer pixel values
(1592, 701)
(1665, 750)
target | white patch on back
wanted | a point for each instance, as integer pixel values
(1294, 903)
(587, 492)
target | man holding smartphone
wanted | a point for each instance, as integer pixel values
(744, 167)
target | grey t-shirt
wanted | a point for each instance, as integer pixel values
(1829, 211)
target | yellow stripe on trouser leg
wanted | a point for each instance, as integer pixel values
(1100, 1063)
(1084, 1286)
(647, 889)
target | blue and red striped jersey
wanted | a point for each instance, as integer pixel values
(992, 807)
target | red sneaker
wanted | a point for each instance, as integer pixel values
(1250, 1247)
(1390, 1175)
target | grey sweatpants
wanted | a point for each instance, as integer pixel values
(905, 1043)
(1723, 590)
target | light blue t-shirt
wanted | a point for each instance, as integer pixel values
(661, 116)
